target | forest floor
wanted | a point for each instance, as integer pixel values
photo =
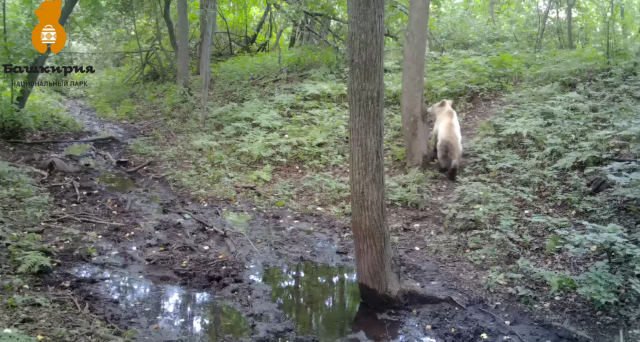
(137, 258)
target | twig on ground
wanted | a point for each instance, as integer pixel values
(502, 321)
(129, 201)
(162, 175)
(89, 220)
(134, 169)
(107, 156)
(76, 186)
(26, 142)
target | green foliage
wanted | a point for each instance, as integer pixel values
(244, 70)
(13, 335)
(42, 113)
(21, 201)
(27, 300)
(529, 178)
(408, 189)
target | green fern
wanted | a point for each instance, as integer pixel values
(33, 262)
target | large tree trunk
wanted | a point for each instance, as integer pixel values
(492, 10)
(183, 45)
(211, 9)
(542, 25)
(39, 61)
(414, 129)
(167, 19)
(379, 283)
(570, 5)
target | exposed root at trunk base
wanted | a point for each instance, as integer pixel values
(411, 293)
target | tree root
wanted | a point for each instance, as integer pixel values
(107, 156)
(411, 292)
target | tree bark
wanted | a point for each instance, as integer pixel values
(211, 10)
(542, 25)
(294, 34)
(570, 5)
(492, 11)
(559, 25)
(260, 24)
(379, 283)
(414, 129)
(183, 45)
(6, 46)
(39, 61)
(609, 18)
(276, 44)
(228, 32)
(623, 23)
(167, 20)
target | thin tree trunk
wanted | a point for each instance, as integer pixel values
(39, 61)
(167, 20)
(609, 34)
(276, 44)
(294, 34)
(623, 24)
(558, 25)
(4, 30)
(379, 283)
(159, 33)
(228, 32)
(135, 30)
(260, 24)
(542, 26)
(414, 129)
(205, 58)
(183, 45)
(492, 11)
(570, 5)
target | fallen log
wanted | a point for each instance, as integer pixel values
(34, 142)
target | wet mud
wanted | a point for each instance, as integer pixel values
(169, 268)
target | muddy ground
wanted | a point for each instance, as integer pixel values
(158, 266)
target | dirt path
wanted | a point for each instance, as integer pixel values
(171, 269)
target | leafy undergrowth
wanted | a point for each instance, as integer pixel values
(282, 141)
(42, 113)
(530, 209)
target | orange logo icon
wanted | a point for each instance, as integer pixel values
(49, 31)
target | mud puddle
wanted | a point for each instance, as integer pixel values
(167, 312)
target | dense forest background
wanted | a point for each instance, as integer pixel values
(546, 210)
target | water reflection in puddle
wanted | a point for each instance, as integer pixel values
(324, 301)
(116, 182)
(178, 313)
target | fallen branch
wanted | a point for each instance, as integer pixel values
(88, 220)
(76, 186)
(502, 321)
(134, 169)
(107, 156)
(227, 239)
(26, 142)
(30, 168)
(57, 164)
(622, 160)
(572, 330)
